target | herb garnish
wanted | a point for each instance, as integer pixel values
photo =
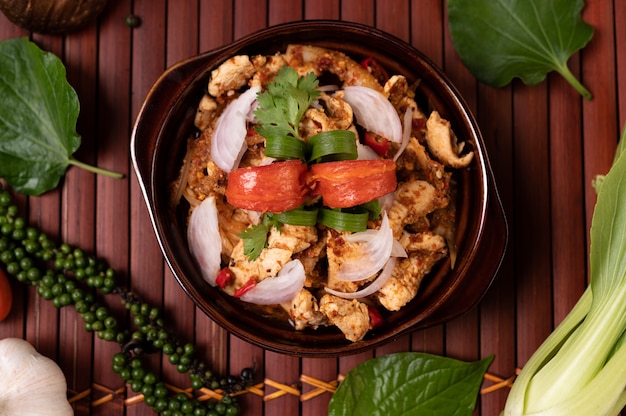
(39, 110)
(502, 39)
(283, 103)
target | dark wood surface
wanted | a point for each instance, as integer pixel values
(545, 143)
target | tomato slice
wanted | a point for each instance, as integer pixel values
(278, 187)
(349, 183)
(6, 296)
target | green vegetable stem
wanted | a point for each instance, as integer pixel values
(580, 369)
(38, 125)
(502, 39)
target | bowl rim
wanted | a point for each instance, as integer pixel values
(492, 233)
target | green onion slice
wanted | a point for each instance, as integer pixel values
(343, 221)
(373, 208)
(285, 147)
(332, 145)
(298, 216)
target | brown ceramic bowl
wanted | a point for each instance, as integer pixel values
(158, 144)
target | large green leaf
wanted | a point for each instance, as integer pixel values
(410, 383)
(38, 118)
(502, 39)
(38, 114)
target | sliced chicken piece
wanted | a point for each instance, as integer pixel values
(442, 142)
(281, 245)
(406, 279)
(233, 74)
(317, 59)
(412, 201)
(305, 312)
(350, 316)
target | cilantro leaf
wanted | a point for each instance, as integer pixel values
(255, 237)
(502, 39)
(283, 103)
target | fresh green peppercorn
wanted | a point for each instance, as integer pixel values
(132, 21)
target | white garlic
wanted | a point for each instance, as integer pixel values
(34, 384)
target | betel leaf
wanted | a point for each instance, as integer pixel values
(410, 383)
(501, 39)
(38, 114)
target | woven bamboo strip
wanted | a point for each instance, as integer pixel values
(319, 387)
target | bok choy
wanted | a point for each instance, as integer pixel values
(580, 369)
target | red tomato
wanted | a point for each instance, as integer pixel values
(349, 183)
(6, 296)
(277, 187)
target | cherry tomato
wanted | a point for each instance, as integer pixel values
(6, 296)
(349, 183)
(277, 187)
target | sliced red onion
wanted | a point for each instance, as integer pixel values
(376, 248)
(228, 143)
(397, 250)
(364, 152)
(203, 237)
(374, 112)
(386, 201)
(373, 287)
(406, 133)
(280, 289)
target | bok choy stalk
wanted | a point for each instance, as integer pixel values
(580, 369)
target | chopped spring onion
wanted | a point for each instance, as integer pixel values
(285, 147)
(333, 145)
(373, 207)
(298, 216)
(343, 221)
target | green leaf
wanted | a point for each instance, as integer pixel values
(254, 240)
(38, 114)
(283, 103)
(410, 383)
(502, 39)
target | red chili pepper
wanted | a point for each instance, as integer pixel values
(376, 319)
(378, 143)
(246, 287)
(376, 70)
(224, 277)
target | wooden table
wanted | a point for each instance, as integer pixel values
(545, 142)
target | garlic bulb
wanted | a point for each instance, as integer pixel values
(33, 384)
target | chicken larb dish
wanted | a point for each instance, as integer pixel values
(317, 186)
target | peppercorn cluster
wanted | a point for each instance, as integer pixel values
(66, 276)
